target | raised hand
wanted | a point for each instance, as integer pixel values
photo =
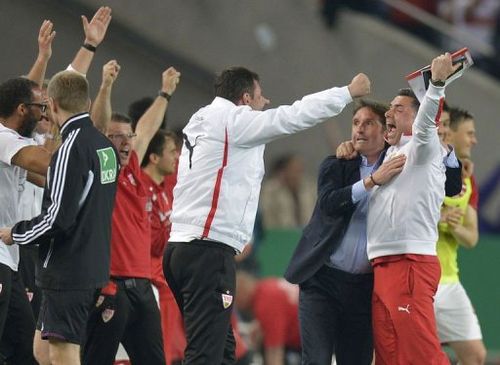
(359, 86)
(96, 29)
(110, 73)
(170, 79)
(45, 38)
(442, 67)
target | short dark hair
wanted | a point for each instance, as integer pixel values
(120, 118)
(14, 92)
(233, 82)
(375, 106)
(157, 144)
(458, 116)
(409, 93)
(137, 108)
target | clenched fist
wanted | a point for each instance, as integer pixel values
(359, 86)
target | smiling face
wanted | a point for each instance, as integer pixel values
(367, 133)
(399, 119)
(464, 138)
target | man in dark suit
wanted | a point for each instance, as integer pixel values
(330, 263)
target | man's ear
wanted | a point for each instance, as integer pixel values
(21, 109)
(245, 99)
(89, 103)
(154, 158)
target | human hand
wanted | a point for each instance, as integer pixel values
(98, 26)
(467, 167)
(359, 86)
(6, 236)
(442, 67)
(170, 79)
(346, 151)
(110, 73)
(45, 37)
(454, 217)
(389, 169)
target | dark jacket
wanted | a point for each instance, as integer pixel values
(330, 218)
(333, 212)
(74, 227)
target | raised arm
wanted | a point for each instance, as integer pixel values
(151, 120)
(250, 128)
(101, 108)
(424, 128)
(95, 30)
(45, 37)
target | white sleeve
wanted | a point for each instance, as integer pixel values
(424, 129)
(10, 144)
(249, 128)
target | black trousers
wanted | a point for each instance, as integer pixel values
(335, 317)
(202, 277)
(131, 317)
(28, 257)
(17, 324)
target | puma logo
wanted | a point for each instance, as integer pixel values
(404, 309)
(190, 147)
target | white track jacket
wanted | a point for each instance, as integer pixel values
(221, 164)
(403, 214)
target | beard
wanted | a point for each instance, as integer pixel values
(28, 126)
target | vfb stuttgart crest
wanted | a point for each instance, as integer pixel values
(227, 300)
(107, 314)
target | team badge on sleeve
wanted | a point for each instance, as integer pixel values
(227, 300)
(107, 160)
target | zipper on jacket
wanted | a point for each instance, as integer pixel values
(46, 262)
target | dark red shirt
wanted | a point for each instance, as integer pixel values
(160, 223)
(130, 233)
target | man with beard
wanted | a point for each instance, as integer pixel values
(73, 229)
(21, 107)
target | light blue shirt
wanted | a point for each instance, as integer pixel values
(351, 255)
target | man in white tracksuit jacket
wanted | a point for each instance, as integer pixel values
(215, 200)
(402, 229)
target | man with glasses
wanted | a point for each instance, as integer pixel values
(126, 311)
(21, 108)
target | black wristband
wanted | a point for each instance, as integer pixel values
(89, 47)
(438, 83)
(373, 180)
(165, 95)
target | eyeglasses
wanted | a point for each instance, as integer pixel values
(43, 107)
(122, 136)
